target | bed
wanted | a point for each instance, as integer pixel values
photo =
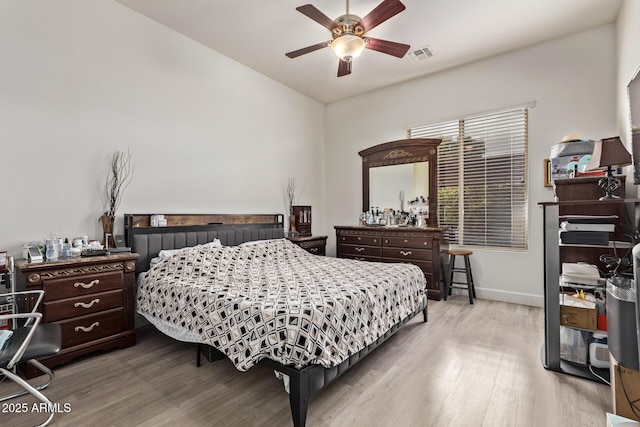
(258, 298)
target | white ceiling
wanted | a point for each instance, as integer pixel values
(257, 33)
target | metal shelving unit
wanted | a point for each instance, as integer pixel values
(550, 352)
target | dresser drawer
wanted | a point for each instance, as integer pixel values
(407, 254)
(360, 251)
(361, 257)
(360, 240)
(81, 285)
(313, 244)
(420, 246)
(91, 327)
(316, 249)
(79, 306)
(408, 242)
(425, 266)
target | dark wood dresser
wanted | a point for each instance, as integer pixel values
(313, 244)
(424, 247)
(92, 299)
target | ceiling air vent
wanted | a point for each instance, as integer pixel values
(418, 55)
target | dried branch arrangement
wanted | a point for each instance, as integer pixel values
(291, 192)
(118, 178)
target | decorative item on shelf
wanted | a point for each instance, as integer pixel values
(291, 199)
(302, 220)
(569, 158)
(118, 178)
(607, 154)
(107, 231)
(548, 182)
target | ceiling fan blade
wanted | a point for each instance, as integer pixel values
(308, 49)
(381, 13)
(398, 50)
(344, 68)
(312, 12)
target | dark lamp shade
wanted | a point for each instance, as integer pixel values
(609, 152)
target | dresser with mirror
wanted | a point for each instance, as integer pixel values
(393, 174)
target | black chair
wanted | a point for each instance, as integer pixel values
(29, 341)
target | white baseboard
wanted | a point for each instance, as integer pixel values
(505, 296)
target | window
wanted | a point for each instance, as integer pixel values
(482, 178)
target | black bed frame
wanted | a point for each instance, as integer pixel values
(191, 230)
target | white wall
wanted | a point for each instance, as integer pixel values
(572, 81)
(628, 32)
(80, 79)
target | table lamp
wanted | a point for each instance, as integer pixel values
(609, 153)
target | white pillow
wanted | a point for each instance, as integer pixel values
(165, 254)
(168, 253)
(258, 242)
(215, 243)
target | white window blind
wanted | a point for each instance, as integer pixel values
(482, 178)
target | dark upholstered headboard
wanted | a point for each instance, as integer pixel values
(191, 230)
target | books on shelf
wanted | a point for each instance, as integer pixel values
(580, 273)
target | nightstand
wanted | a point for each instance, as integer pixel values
(312, 244)
(91, 298)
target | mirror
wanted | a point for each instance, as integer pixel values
(409, 165)
(633, 90)
(394, 186)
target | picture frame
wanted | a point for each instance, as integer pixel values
(547, 173)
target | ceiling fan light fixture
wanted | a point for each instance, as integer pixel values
(348, 46)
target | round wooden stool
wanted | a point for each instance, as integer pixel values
(466, 269)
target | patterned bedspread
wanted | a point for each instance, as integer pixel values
(272, 299)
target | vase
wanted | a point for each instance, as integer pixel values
(292, 226)
(107, 231)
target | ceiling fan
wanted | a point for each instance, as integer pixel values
(348, 32)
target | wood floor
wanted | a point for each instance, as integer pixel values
(470, 365)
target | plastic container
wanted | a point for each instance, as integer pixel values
(599, 351)
(66, 249)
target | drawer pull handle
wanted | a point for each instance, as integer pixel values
(313, 249)
(89, 329)
(405, 253)
(405, 240)
(359, 259)
(359, 249)
(86, 285)
(85, 305)
(359, 238)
